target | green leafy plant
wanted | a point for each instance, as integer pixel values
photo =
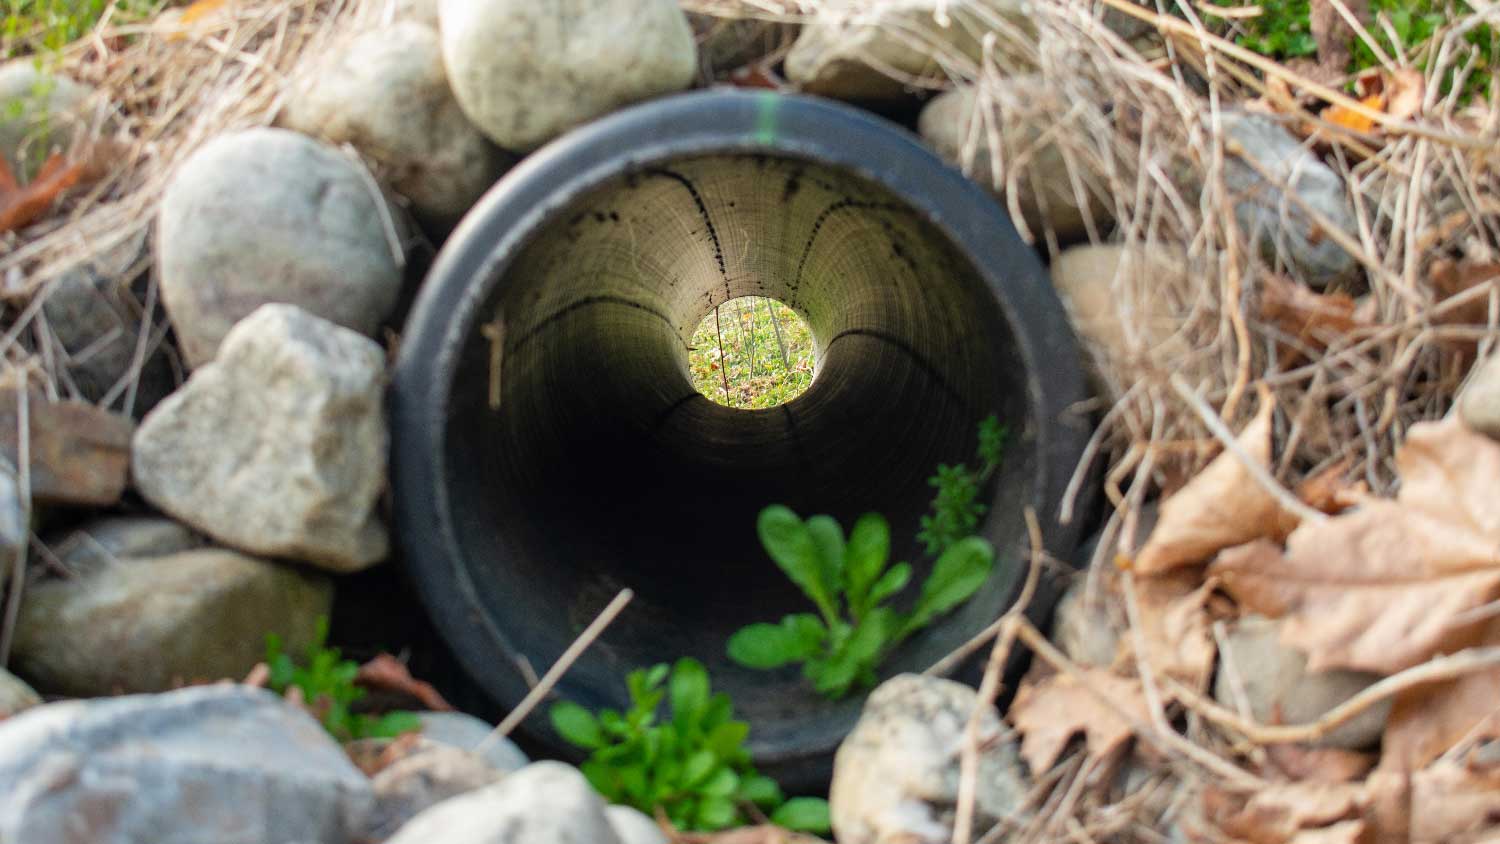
(956, 508)
(849, 582)
(326, 681)
(693, 766)
(28, 26)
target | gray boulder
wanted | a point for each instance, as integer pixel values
(1023, 108)
(206, 765)
(422, 779)
(15, 696)
(1280, 690)
(39, 110)
(543, 803)
(525, 72)
(1266, 167)
(278, 447)
(111, 539)
(1479, 403)
(847, 49)
(269, 215)
(896, 777)
(633, 827)
(466, 732)
(148, 624)
(386, 92)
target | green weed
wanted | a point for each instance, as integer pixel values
(694, 767)
(37, 26)
(956, 508)
(327, 684)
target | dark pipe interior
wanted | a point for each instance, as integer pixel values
(602, 468)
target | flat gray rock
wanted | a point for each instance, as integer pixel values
(204, 765)
(148, 624)
(111, 539)
(269, 215)
(278, 447)
(422, 779)
(525, 72)
(896, 777)
(543, 803)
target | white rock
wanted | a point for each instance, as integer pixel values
(1021, 109)
(269, 215)
(633, 827)
(543, 803)
(39, 110)
(151, 624)
(1479, 404)
(206, 764)
(15, 696)
(423, 778)
(466, 732)
(1279, 689)
(278, 447)
(386, 93)
(896, 777)
(843, 51)
(525, 72)
(1274, 220)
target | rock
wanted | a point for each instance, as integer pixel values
(146, 624)
(15, 524)
(633, 827)
(421, 11)
(277, 447)
(80, 455)
(1094, 280)
(39, 110)
(1479, 404)
(1280, 691)
(15, 696)
(386, 92)
(466, 732)
(543, 803)
(269, 215)
(1085, 629)
(525, 72)
(208, 764)
(91, 316)
(1022, 109)
(109, 540)
(895, 778)
(840, 50)
(1280, 226)
(422, 779)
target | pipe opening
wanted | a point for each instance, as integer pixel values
(752, 353)
(553, 449)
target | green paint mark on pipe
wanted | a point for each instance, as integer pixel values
(765, 121)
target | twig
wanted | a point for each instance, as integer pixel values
(558, 669)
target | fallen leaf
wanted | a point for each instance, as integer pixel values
(1450, 803)
(387, 673)
(1356, 121)
(1280, 811)
(1404, 91)
(1389, 584)
(1314, 319)
(1343, 832)
(1049, 713)
(1450, 278)
(21, 206)
(375, 755)
(1175, 626)
(1320, 764)
(1222, 507)
(1429, 720)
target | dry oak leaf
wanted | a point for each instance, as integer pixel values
(1222, 507)
(1387, 586)
(387, 673)
(20, 207)
(1427, 721)
(1314, 319)
(1050, 712)
(1175, 626)
(1450, 803)
(1320, 764)
(1279, 812)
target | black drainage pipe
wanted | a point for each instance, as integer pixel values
(550, 450)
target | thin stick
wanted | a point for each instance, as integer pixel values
(723, 367)
(558, 669)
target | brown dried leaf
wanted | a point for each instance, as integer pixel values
(1382, 588)
(1175, 625)
(1427, 721)
(1320, 764)
(19, 207)
(1220, 508)
(1278, 812)
(1450, 278)
(387, 673)
(1315, 319)
(1051, 712)
(1452, 803)
(1404, 92)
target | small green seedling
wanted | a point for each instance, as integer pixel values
(694, 767)
(327, 684)
(849, 582)
(956, 508)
